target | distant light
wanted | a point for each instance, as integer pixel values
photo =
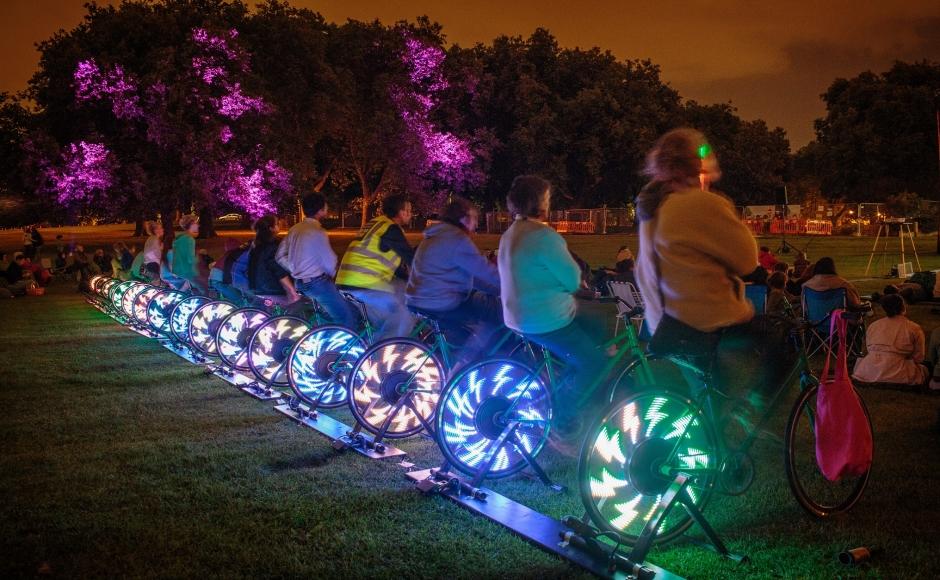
(704, 150)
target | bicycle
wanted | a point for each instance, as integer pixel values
(649, 440)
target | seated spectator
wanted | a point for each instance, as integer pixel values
(16, 279)
(621, 272)
(801, 265)
(220, 276)
(895, 348)
(101, 263)
(778, 300)
(825, 278)
(766, 258)
(124, 257)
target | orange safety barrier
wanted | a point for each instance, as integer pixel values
(571, 227)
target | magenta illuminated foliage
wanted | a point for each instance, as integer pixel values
(93, 83)
(86, 168)
(212, 67)
(251, 187)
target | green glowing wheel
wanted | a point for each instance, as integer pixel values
(816, 494)
(628, 456)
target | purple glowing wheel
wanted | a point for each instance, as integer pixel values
(631, 455)
(478, 405)
(127, 301)
(204, 325)
(393, 383)
(159, 309)
(235, 333)
(142, 301)
(271, 345)
(321, 363)
(181, 315)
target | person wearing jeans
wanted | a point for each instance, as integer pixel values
(538, 278)
(307, 255)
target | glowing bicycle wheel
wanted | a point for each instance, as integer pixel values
(320, 365)
(141, 303)
(127, 301)
(235, 333)
(116, 295)
(626, 452)
(96, 282)
(104, 290)
(181, 315)
(271, 346)
(480, 402)
(159, 309)
(204, 325)
(387, 372)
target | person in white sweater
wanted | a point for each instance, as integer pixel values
(896, 348)
(538, 278)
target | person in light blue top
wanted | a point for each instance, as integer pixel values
(538, 278)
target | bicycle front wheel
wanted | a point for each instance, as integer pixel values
(631, 455)
(816, 494)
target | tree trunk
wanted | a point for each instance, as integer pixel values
(366, 201)
(206, 223)
(139, 228)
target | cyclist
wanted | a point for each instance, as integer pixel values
(451, 281)
(539, 278)
(375, 265)
(183, 261)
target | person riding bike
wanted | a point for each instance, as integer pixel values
(539, 278)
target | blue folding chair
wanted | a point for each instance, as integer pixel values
(817, 309)
(756, 294)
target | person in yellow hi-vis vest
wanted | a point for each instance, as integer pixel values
(375, 268)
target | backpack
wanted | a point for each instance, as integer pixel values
(240, 271)
(927, 279)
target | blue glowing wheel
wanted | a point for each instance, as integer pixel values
(480, 402)
(129, 298)
(141, 302)
(271, 345)
(629, 454)
(384, 375)
(181, 315)
(159, 309)
(235, 333)
(104, 290)
(205, 323)
(321, 363)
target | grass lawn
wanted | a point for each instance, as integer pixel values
(122, 459)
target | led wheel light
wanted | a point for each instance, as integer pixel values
(182, 313)
(159, 309)
(631, 456)
(476, 408)
(105, 289)
(320, 365)
(142, 301)
(116, 294)
(235, 334)
(127, 301)
(204, 325)
(271, 345)
(387, 372)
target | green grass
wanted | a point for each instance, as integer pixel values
(121, 459)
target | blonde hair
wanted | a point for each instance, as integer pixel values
(188, 220)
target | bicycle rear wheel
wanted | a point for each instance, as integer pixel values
(817, 495)
(621, 476)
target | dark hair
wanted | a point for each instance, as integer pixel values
(781, 267)
(393, 204)
(312, 203)
(525, 195)
(456, 210)
(893, 304)
(777, 280)
(264, 228)
(764, 249)
(824, 266)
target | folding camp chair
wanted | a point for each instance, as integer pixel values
(756, 294)
(630, 298)
(817, 309)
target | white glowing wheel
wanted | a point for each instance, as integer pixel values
(204, 325)
(480, 402)
(181, 315)
(105, 289)
(390, 372)
(235, 333)
(141, 303)
(320, 365)
(159, 309)
(127, 301)
(96, 282)
(271, 345)
(116, 294)
(620, 473)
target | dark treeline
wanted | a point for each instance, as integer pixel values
(179, 105)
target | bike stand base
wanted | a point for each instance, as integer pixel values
(543, 531)
(337, 432)
(250, 386)
(143, 331)
(184, 353)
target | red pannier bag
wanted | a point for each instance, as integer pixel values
(844, 444)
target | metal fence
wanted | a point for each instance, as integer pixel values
(574, 221)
